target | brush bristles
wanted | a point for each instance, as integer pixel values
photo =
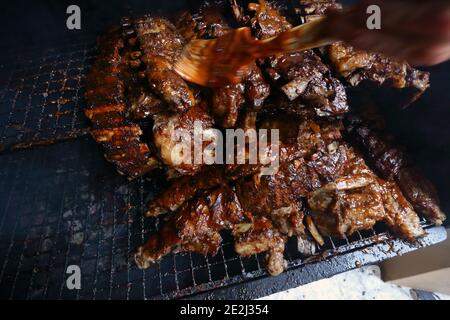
(194, 61)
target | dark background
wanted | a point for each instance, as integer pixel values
(43, 23)
(35, 25)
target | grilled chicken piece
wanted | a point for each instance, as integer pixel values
(300, 75)
(105, 95)
(392, 164)
(161, 45)
(143, 104)
(277, 196)
(226, 102)
(358, 199)
(400, 215)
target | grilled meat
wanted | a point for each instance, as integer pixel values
(360, 68)
(263, 237)
(313, 9)
(174, 137)
(105, 94)
(195, 226)
(228, 100)
(161, 45)
(392, 163)
(357, 199)
(322, 186)
(300, 75)
(398, 80)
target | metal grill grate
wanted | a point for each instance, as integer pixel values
(64, 205)
(42, 97)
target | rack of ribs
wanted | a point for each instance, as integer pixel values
(106, 108)
(172, 106)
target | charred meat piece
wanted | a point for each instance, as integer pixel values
(124, 148)
(141, 101)
(358, 199)
(421, 193)
(267, 21)
(261, 236)
(300, 75)
(309, 80)
(310, 138)
(174, 137)
(362, 68)
(226, 102)
(195, 226)
(277, 196)
(161, 45)
(393, 164)
(313, 9)
(143, 104)
(105, 95)
(400, 82)
(103, 85)
(400, 215)
(256, 88)
(185, 188)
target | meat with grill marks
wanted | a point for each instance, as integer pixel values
(195, 226)
(362, 68)
(105, 95)
(174, 137)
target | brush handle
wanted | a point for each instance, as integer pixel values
(310, 35)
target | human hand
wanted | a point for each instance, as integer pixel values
(414, 30)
